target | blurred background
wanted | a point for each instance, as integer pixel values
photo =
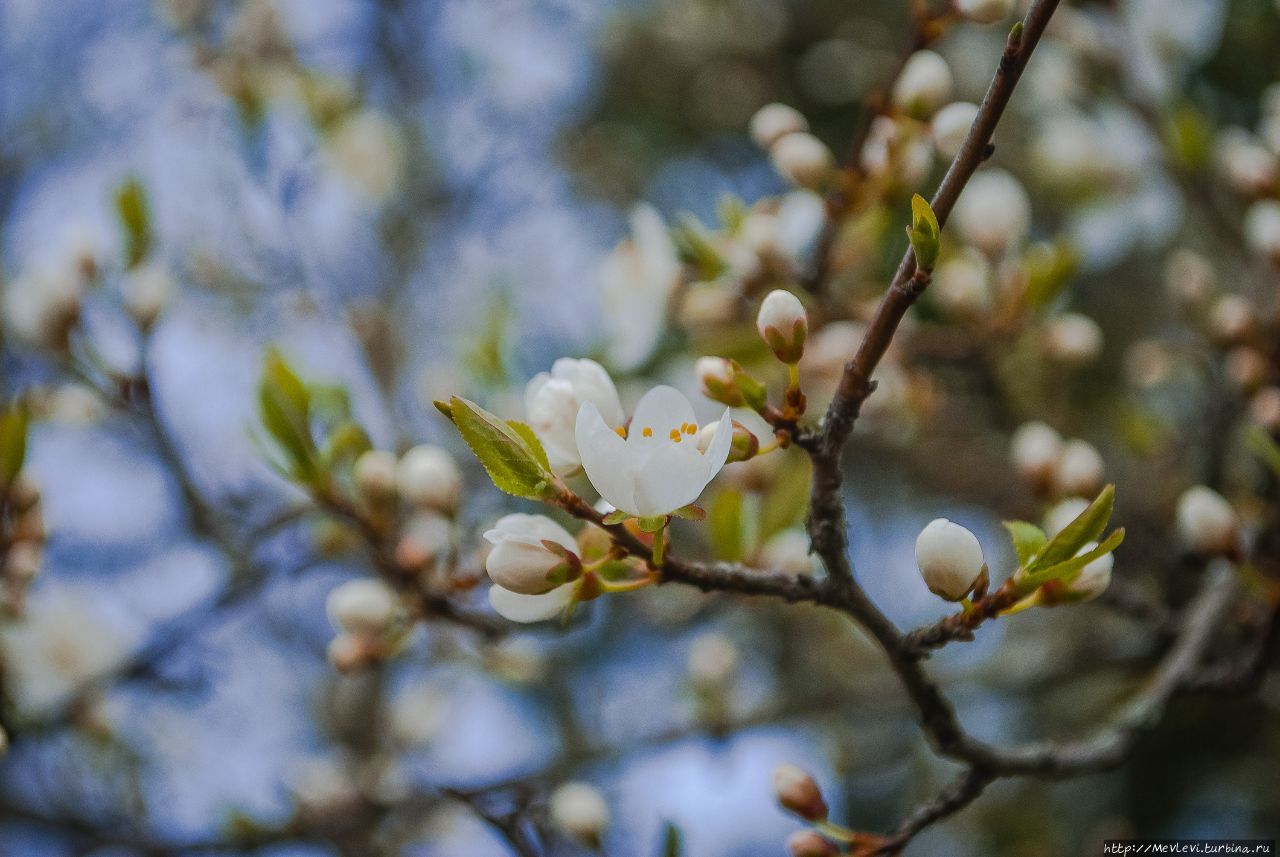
(415, 198)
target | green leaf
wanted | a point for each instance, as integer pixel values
(512, 465)
(1028, 539)
(347, 442)
(1069, 568)
(531, 439)
(13, 442)
(732, 213)
(617, 516)
(285, 407)
(616, 570)
(787, 500)
(1087, 527)
(672, 841)
(726, 525)
(690, 513)
(924, 233)
(1265, 447)
(135, 216)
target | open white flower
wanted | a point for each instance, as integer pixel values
(552, 401)
(638, 278)
(655, 467)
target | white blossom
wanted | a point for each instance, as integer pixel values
(375, 473)
(1262, 228)
(638, 279)
(713, 660)
(147, 290)
(553, 399)
(788, 551)
(1035, 449)
(1073, 339)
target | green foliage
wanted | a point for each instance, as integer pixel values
(285, 408)
(13, 442)
(1028, 540)
(1057, 559)
(135, 216)
(514, 460)
(1265, 447)
(1050, 267)
(695, 248)
(727, 528)
(924, 233)
(529, 437)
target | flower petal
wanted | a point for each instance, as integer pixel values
(530, 530)
(673, 476)
(606, 459)
(718, 449)
(530, 608)
(663, 408)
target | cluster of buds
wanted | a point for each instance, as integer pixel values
(370, 620)
(21, 540)
(1055, 467)
(797, 155)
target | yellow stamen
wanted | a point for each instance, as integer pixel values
(675, 435)
(690, 428)
(648, 432)
(622, 431)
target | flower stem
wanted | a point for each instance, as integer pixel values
(659, 546)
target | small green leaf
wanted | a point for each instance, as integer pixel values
(1069, 568)
(690, 513)
(347, 442)
(672, 841)
(1265, 447)
(531, 439)
(512, 465)
(135, 216)
(13, 443)
(1087, 527)
(732, 213)
(726, 525)
(285, 407)
(1028, 539)
(924, 233)
(617, 516)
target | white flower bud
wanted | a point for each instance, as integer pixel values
(552, 401)
(580, 812)
(1035, 449)
(788, 552)
(773, 122)
(803, 160)
(961, 285)
(1246, 164)
(808, 843)
(146, 291)
(427, 476)
(1188, 276)
(1262, 228)
(833, 346)
(950, 127)
(950, 559)
(924, 85)
(375, 474)
(1231, 319)
(760, 232)
(1206, 522)
(993, 212)
(983, 11)
(798, 792)
(713, 660)
(719, 381)
(365, 607)
(1094, 578)
(1080, 469)
(743, 446)
(1247, 367)
(519, 561)
(42, 308)
(899, 148)
(419, 714)
(783, 324)
(1062, 514)
(1264, 408)
(1073, 339)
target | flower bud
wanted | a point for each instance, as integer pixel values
(743, 447)
(1207, 523)
(713, 660)
(1231, 319)
(783, 325)
(1035, 449)
(375, 474)
(43, 308)
(1062, 514)
(798, 792)
(993, 212)
(1246, 164)
(425, 537)
(1264, 408)
(924, 85)
(1080, 469)
(950, 127)
(719, 381)
(1188, 276)
(146, 291)
(788, 552)
(1094, 578)
(807, 843)
(773, 122)
(1073, 339)
(803, 160)
(1262, 228)
(364, 607)
(983, 11)
(961, 285)
(1247, 367)
(348, 653)
(519, 560)
(950, 559)
(427, 476)
(580, 812)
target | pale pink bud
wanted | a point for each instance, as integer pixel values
(798, 792)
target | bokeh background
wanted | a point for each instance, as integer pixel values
(413, 198)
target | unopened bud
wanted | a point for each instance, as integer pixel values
(783, 324)
(773, 122)
(365, 607)
(788, 552)
(1188, 276)
(719, 381)
(375, 474)
(1092, 580)
(348, 653)
(993, 212)
(1080, 469)
(803, 160)
(950, 126)
(807, 843)
(743, 447)
(580, 812)
(924, 85)
(1073, 339)
(1262, 228)
(1035, 449)
(1207, 523)
(798, 792)
(22, 563)
(1231, 319)
(1062, 514)
(950, 559)
(427, 476)
(983, 11)
(713, 660)
(1247, 367)
(526, 549)
(146, 291)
